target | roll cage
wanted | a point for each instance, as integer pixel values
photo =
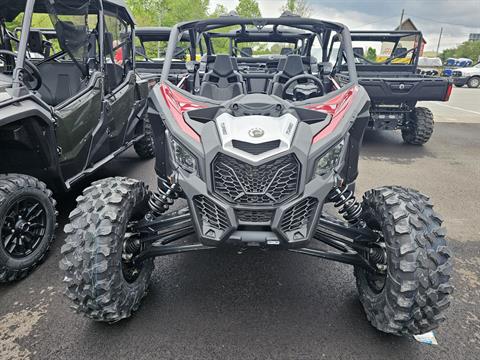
(11, 9)
(300, 40)
(323, 30)
(404, 43)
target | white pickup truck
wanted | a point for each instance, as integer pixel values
(469, 76)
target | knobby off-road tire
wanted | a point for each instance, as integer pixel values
(16, 191)
(93, 250)
(419, 127)
(145, 146)
(417, 289)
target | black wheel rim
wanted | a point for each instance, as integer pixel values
(23, 227)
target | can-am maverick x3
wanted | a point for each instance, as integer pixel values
(256, 170)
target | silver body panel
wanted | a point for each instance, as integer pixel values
(256, 129)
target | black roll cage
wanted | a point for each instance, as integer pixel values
(323, 29)
(394, 36)
(29, 7)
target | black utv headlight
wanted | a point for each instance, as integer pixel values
(329, 160)
(183, 157)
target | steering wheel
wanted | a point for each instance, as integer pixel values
(295, 79)
(32, 70)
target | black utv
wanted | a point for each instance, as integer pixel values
(70, 101)
(387, 67)
(260, 168)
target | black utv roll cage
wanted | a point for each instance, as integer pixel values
(322, 29)
(11, 9)
(397, 52)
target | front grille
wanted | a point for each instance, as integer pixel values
(256, 149)
(457, 73)
(299, 216)
(266, 184)
(210, 215)
(255, 216)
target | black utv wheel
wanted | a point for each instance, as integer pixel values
(100, 281)
(145, 146)
(27, 225)
(419, 127)
(413, 292)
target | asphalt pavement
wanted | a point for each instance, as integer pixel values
(273, 305)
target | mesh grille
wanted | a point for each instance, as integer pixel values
(268, 183)
(211, 215)
(255, 216)
(299, 216)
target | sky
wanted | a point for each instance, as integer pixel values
(458, 18)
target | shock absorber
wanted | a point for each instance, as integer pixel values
(345, 201)
(161, 201)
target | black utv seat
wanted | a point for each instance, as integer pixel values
(222, 82)
(60, 81)
(293, 67)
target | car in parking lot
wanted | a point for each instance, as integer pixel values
(469, 76)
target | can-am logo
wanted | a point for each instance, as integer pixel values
(256, 132)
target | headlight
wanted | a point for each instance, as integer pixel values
(184, 158)
(329, 160)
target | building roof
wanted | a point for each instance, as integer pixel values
(408, 24)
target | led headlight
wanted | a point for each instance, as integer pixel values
(329, 160)
(183, 157)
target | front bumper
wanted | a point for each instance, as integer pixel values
(460, 81)
(289, 224)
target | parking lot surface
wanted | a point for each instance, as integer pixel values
(271, 305)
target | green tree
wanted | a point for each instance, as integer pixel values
(220, 10)
(371, 54)
(248, 8)
(298, 7)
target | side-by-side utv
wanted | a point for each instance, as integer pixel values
(259, 166)
(70, 101)
(387, 67)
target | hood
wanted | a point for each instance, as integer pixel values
(273, 134)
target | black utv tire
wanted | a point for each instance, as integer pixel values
(419, 127)
(416, 287)
(27, 225)
(93, 265)
(145, 147)
(473, 82)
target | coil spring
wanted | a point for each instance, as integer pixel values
(349, 208)
(377, 255)
(132, 246)
(161, 201)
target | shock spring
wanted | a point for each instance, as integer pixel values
(345, 201)
(161, 201)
